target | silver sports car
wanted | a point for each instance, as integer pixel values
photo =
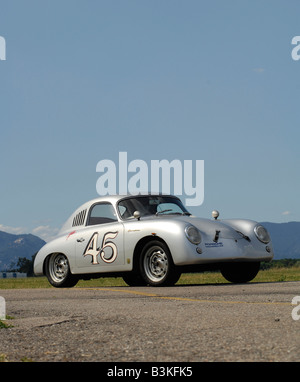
(150, 240)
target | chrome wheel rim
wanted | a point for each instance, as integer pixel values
(58, 267)
(156, 264)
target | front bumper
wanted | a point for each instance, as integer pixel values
(225, 250)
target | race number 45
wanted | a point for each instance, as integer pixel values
(108, 251)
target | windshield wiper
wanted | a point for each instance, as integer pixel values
(161, 212)
(173, 212)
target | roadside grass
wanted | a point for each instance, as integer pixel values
(4, 325)
(269, 275)
(3, 358)
(24, 283)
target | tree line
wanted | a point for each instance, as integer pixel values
(23, 265)
(282, 263)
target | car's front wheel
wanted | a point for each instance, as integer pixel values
(58, 272)
(156, 265)
(240, 272)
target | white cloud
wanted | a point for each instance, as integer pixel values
(286, 213)
(14, 230)
(45, 232)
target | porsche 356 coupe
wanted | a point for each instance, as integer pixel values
(150, 240)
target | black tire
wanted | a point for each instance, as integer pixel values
(240, 272)
(57, 270)
(156, 265)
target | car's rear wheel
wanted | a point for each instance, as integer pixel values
(58, 272)
(240, 272)
(156, 265)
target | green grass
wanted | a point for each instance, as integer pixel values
(22, 283)
(270, 275)
(3, 358)
(5, 325)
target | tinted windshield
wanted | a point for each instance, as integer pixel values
(151, 205)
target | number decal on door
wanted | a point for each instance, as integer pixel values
(109, 256)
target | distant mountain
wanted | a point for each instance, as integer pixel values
(14, 246)
(285, 238)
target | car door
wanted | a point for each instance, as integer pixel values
(99, 245)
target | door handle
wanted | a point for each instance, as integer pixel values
(80, 240)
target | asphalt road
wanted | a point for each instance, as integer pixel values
(249, 322)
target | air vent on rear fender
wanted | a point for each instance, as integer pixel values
(79, 218)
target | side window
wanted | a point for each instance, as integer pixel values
(102, 213)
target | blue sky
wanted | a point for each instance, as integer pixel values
(160, 79)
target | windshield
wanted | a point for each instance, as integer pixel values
(151, 205)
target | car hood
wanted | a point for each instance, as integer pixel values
(227, 229)
(209, 227)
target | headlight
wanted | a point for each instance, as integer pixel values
(193, 234)
(262, 234)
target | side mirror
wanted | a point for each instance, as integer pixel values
(137, 215)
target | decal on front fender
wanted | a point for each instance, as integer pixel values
(92, 250)
(214, 245)
(71, 233)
